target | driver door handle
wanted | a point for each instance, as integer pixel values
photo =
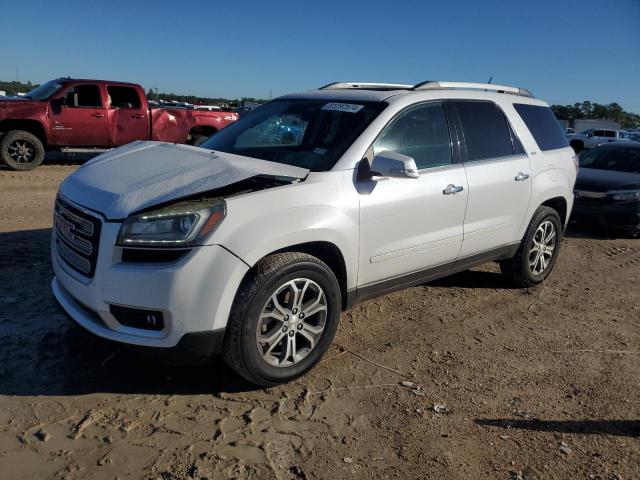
(97, 115)
(452, 189)
(521, 177)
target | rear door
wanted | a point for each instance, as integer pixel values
(128, 119)
(81, 118)
(410, 225)
(498, 173)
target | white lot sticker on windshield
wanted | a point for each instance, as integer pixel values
(343, 107)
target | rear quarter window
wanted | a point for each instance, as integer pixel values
(543, 125)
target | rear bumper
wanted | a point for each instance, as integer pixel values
(622, 215)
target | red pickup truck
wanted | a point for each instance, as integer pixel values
(72, 113)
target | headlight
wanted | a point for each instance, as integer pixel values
(174, 226)
(627, 197)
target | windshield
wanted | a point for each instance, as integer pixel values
(310, 134)
(45, 90)
(607, 158)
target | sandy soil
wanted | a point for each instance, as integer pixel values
(505, 383)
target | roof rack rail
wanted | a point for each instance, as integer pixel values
(433, 85)
(365, 86)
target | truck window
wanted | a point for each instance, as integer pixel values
(83, 96)
(123, 97)
(610, 133)
(543, 125)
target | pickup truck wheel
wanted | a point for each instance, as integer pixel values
(197, 140)
(283, 319)
(20, 150)
(538, 251)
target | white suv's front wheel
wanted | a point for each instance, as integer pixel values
(284, 318)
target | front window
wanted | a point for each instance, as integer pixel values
(45, 90)
(606, 158)
(310, 134)
(421, 133)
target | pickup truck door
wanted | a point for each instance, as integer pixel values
(79, 118)
(408, 226)
(128, 115)
(498, 172)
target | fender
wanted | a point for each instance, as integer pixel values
(254, 228)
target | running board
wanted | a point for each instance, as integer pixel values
(84, 150)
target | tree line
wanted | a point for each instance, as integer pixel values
(584, 110)
(596, 111)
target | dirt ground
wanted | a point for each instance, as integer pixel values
(506, 383)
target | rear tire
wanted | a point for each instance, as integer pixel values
(536, 257)
(197, 140)
(21, 151)
(275, 334)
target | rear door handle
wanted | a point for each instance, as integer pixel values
(97, 115)
(137, 115)
(521, 177)
(452, 189)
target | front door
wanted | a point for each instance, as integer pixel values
(80, 118)
(498, 173)
(410, 225)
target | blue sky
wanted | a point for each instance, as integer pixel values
(564, 51)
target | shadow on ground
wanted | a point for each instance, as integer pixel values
(42, 352)
(621, 428)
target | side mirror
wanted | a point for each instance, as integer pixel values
(590, 134)
(393, 165)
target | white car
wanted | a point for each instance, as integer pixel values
(252, 247)
(594, 137)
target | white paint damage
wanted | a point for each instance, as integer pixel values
(142, 174)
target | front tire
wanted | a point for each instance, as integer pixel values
(536, 257)
(283, 320)
(21, 151)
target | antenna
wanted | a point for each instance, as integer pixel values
(490, 78)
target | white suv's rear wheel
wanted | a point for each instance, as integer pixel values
(283, 320)
(538, 251)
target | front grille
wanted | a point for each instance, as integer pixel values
(77, 236)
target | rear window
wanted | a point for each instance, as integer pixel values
(543, 125)
(123, 97)
(486, 131)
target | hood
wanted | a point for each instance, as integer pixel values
(596, 180)
(143, 174)
(15, 101)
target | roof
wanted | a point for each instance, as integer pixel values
(366, 91)
(348, 95)
(92, 80)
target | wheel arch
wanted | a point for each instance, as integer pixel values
(327, 252)
(206, 130)
(32, 126)
(559, 204)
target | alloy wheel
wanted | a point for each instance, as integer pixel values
(22, 151)
(542, 247)
(291, 322)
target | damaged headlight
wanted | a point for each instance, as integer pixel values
(173, 226)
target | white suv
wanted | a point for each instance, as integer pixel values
(253, 244)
